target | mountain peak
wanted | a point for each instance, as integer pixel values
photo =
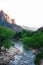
(4, 16)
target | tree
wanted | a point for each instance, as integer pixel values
(27, 33)
(35, 41)
(5, 36)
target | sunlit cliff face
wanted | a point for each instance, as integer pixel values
(4, 16)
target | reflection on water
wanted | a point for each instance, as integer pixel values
(23, 57)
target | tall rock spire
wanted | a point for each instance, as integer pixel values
(4, 16)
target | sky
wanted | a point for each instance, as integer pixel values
(25, 12)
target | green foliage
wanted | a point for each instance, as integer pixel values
(35, 41)
(8, 43)
(26, 42)
(39, 56)
(27, 33)
(6, 35)
(18, 35)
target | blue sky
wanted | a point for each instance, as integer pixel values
(25, 12)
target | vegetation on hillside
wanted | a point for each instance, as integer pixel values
(6, 37)
(35, 41)
(39, 57)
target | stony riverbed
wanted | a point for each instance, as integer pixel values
(23, 57)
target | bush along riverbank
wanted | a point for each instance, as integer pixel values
(34, 41)
(39, 58)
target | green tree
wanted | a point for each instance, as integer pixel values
(35, 41)
(26, 33)
(5, 36)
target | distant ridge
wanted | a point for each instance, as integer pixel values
(29, 28)
(40, 29)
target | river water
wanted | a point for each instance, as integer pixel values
(23, 57)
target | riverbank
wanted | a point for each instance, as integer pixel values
(8, 55)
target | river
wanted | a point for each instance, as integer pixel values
(23, 57)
